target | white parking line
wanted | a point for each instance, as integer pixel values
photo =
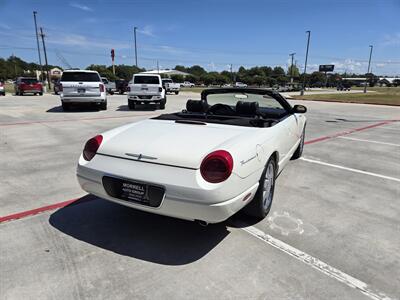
(317, 264)
(350, 169)
(368, 141)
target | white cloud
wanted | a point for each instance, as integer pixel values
(391, 39)
(80, 6)
(4, 26)
(147, 30)
(77, 40)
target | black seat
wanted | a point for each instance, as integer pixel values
(247, 109)
(196, 106)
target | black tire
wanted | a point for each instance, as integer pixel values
(121, 92)
(131, 104)
(103, 106)
(66, 106)
(41, 94)
(162, 103)
(21, 93)
(176, 93)
(299, 151)
(260, 206)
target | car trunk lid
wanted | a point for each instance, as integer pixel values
(168, 142)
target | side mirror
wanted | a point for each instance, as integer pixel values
(299, 109)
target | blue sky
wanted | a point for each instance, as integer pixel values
(212, 33)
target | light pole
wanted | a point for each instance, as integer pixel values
(305, 64)
(369, 65)
(37, 41)
(291, 68)
(134, 33)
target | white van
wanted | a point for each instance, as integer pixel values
(146, 89)
(82, 86)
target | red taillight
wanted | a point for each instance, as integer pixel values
(128, 89)
(60, 87)
(91, 147)
(101, 87)
(160, 89)
(217, 166)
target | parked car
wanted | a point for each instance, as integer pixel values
(110, 85)
(28, 85)
(170, 86)
(146, 89)
(56, 87)
(221, 154)
(187, 84)
(121, 86)
(240, 84)
(2, 88)
(343, 86)
(82, 87)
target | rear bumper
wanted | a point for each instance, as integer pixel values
(67, 99)
(32, 91)
(185, 198)
(151, 98)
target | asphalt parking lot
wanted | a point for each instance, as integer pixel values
(333, 231)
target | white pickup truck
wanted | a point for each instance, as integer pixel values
(187, 84)
(146, 89)
(110, 85)
(170, 86)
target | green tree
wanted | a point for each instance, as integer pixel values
(293, 71)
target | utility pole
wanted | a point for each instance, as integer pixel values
(158, 68)
(37, 41)
(369, 64)
(305, 65)
(231, 73)
(291, 68)
(45, 58)
(134, 33)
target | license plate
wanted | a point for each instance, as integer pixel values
(145, 89)
(132, 191)
(81, 91)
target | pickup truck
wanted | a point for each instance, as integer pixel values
(121, 86)
(187, 84)
(110, 86)
(146, 89)
(170, 86)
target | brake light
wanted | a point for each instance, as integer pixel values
(160, 89)
(101, 87)
(91, 147)
(217, 166)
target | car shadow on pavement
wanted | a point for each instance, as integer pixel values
(152, 107)
(73, 109)
(137, 234)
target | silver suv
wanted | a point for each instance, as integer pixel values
(82, 87)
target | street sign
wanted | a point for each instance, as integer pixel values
(326, 68)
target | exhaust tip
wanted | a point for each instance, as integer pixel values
(202, 223)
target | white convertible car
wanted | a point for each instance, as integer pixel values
(205, 163)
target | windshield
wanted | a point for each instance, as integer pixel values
(29, 80)
(167, 80)
(80, 76)
(146, 80)
(232, 98)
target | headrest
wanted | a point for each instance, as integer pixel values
(246, 108)
(199, 106)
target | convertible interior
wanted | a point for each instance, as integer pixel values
(241, 113)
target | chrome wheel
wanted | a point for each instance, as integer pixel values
(268, 186)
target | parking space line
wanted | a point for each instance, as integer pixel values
(328, 137)
(72, 120)
(36, 211)
(316, 264)
(349, 169)
(368, 141)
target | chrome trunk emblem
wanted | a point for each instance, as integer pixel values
(140, 156)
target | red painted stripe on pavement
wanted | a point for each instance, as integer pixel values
(36, 211)
(328, 137)
(70, 120)
(39, 210)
